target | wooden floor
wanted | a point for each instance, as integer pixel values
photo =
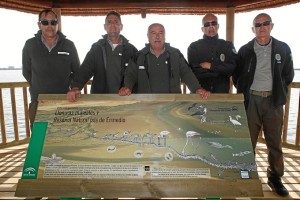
(12, 158)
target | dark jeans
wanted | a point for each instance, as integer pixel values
(261, 114)
(32, 112)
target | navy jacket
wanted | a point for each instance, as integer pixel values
(223, 58)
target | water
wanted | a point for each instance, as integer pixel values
(16, 76)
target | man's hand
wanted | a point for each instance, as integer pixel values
(203, 93)
(73, 94)
(205, 65)
(124, 91)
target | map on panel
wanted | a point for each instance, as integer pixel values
(117, 138)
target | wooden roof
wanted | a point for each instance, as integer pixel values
(101, 7)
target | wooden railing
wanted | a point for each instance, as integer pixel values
(294, 85)
(12, 86)
(23, 86)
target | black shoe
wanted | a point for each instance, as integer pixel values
(278, 187)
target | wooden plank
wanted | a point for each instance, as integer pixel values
(262, 174)
(44, 98)
(271, 196)
(286, 168)
(286, 159)
(288, 180)
(11, 164)
(12, 150)
(20, 153)
(11, 169)
(9, 174)
(9, 196)
(287, 163)
(138, 188)
(11, 160)
(11, 156)
(9, 180)
(295, 187)
(4, 187)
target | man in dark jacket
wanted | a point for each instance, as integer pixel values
(263, 74)
(159, 68)
(49, 61)
(105, 62)
(212, 60)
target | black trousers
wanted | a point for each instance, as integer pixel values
(32, 112)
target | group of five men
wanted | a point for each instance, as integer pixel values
(261, 70)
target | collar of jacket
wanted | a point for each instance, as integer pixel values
(250, 44)
(211, 38)
(61, 36)
(146, 50)
(104, 40)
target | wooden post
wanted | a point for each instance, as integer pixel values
(2, 120)
(230, 24)
(297, 140)
(26, 112)
(143, 13)
(14, 113)
(58, 12)
(230, 33)
(286, 117)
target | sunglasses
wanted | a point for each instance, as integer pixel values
(207, 24)
(266, 23)
(47, 22)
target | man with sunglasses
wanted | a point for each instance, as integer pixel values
(105, 62)
(49, 60)
(264, 71)
(212, 60)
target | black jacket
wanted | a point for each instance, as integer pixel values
(223, 58)
(281, 66)
(95, 64)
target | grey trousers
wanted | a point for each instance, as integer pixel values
(261, 114)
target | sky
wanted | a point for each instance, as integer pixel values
(181, 30)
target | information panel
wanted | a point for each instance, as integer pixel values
(146, 137)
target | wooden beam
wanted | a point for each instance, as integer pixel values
(139, 4)
(100, 7)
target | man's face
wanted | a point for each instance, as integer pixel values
(210, 26)
(48, 25)
(156, 37)
(262, 26)
(113, 26)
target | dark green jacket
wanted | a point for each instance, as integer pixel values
(95, 64)
(49, 72)
(138, 76)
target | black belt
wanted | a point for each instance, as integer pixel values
(261, 93)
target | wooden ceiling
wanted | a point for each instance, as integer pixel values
(101, 7)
